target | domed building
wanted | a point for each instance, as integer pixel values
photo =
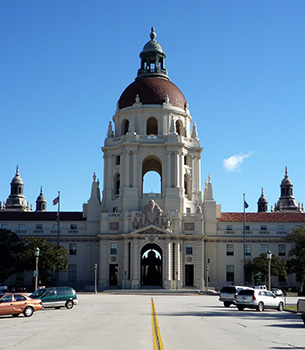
(172, 237)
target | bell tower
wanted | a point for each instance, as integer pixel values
(152, 133)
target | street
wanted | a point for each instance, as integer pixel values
(107, 321)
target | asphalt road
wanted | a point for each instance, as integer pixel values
(106, 321)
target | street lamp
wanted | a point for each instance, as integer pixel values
(207, 278)
(37, 251)
(269, 257)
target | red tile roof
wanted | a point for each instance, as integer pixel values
(40, 216)
(263, 217)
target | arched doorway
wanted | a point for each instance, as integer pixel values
(151, 265)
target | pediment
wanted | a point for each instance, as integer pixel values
(150, 229)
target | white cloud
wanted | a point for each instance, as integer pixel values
(233, 163)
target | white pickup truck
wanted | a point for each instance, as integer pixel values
(301, 308)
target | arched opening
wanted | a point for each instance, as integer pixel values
(152, 126)
(125, 126)
(151, 265)
(179, 127)
(117, 184)
(153, 168)
(187, 185)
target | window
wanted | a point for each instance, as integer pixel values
(247, 227)
(229, 227)
(72, 249)
(117, 184)
(21, 227)
(280, 227)
(113, 248)
(4, 226)
(188, 210)
(55, 227)
(248, 249)
(230, 273)
(73, 227)
(264, 248)
(38, 226)
(263, 227)
(282, 250)
(230, 249)
(189, 249)
(19, 297)
(117, 160)
(72, 273)
(152, 126)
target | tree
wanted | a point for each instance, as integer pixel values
(297, 263)
(51, 258)
(10, 249)
(259, 267)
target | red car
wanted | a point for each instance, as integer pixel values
(17, 303)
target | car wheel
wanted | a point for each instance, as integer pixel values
(69, 304)
(280, 307)
(240, 308)
(28, 311)
(226, 304)
(260, 306)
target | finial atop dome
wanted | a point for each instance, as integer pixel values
(153, 33)
(286, 171)
(17, 170)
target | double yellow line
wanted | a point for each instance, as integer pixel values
(158, 345)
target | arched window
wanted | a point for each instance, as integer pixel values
(117, 184)
(125, 126)
(152, 175)
(152, 126)
(179, 127)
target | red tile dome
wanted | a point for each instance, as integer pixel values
(152, 90)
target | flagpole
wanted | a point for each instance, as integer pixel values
(58, 218)
(244, 231)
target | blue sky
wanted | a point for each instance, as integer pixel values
(240, 65)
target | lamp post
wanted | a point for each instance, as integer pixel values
(269, 257)
(37, 251)
(95, 278)
(207, 278)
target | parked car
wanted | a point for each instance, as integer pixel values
(277, 291)
(228, 294)
(301, 308)
(56, 297)
(17, 303)
(259, 299)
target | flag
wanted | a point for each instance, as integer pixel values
(246, 204)
(56, 200)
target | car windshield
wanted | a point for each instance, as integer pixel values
(228, 290)
(37, 293)
(246, 292)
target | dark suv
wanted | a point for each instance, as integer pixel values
(228, 294)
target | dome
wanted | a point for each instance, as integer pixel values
(152, 45)
(17, 179)
(152, 90)
(286, 181)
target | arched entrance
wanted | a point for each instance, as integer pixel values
(151, 265)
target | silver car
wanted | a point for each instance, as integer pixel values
(258, 299)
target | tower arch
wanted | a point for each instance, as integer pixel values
(151, 164)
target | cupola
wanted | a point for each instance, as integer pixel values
(41, 202)
(262, 204)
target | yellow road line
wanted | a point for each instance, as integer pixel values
(158, 345)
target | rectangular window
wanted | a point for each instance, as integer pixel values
(263, 227)
(280, 227)
(230, 273)
(113, 248)
(4, 226)
(189, 249)
(38, 226)
(21, 227)
(248, 249)
(282, 249)
(247, 227)
(73, 227)
(229, 227)
(230, 249)
(55, 227)
(264, 248)
(72, 249)
(117, 160)
(72, 273)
